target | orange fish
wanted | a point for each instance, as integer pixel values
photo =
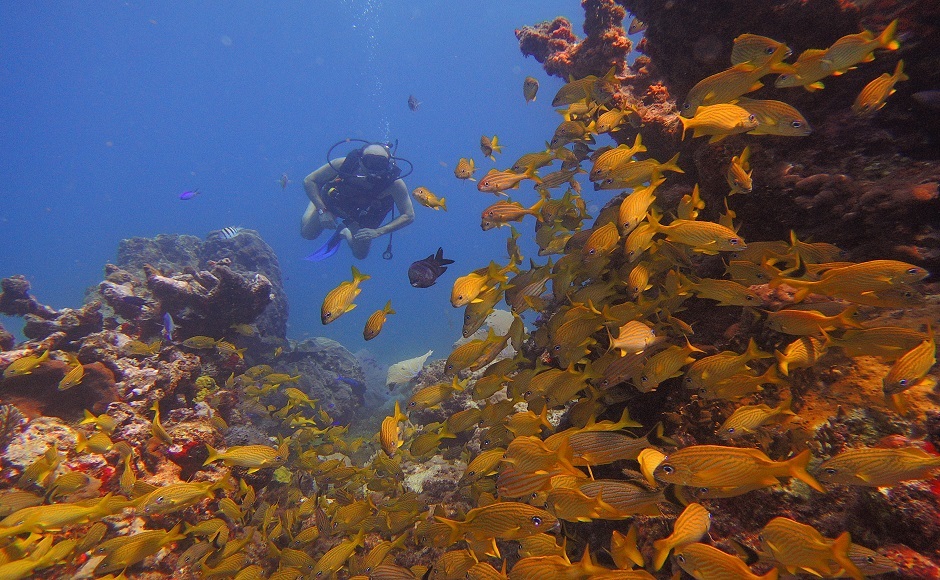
(497, 181)
(339, 300)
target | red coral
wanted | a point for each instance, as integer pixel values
(558, 48)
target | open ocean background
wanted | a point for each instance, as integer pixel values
(111, 109)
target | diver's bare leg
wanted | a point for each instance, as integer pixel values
(310, 227)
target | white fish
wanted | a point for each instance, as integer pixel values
(404, 371)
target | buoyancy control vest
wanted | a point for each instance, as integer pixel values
(354, 195)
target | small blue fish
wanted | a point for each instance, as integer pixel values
(167, 326)
(413, 103)
(189, 194)
(356, 384)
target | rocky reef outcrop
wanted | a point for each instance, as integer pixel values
(868, 184)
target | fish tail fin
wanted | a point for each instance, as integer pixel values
(443, 205)
(888, 37)
(454, 526)
(638, 146)
(662, 548)
(653, 221)
(745, 158)
(397, 414)
(899, 72)
(671, 165)
(683, 121)
(89, 418)
(754, 352)
(388, 308)
(536, 207)
(797, 468)
(81, 442)
(530, 173)
(359, 276)
(214, 454)
(840, 553)
(783, 363)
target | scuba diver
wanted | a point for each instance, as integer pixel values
(353, 195)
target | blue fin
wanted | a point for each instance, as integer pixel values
(328, 249)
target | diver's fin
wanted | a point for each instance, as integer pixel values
(327, 249)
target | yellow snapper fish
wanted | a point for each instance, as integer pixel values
(633, 338)
(72, 378)
(336, 557)
(611, 120)
(856, 279)
(199, 342)
(170, 498)
(717, 466)
(726, 292)
(253, 457)
(719, 121)
(602, 240)
(799, 547)
(755, 50)
(710, 370)
(810, 68)
(748, 418)
(691, 526)
(811, 322)
(802, 353)
(504, 520)
(465, 169)
(775, 118)
(571, 131)
(497, 181)
(609, 161)
(731, 83)
(52, 518)
(888, 343)
(704, 237)
(25, 365)
(704, 562)
(503, 211)
(739, 173)
(635, 173)
(533, 161)
(530, 88)
(489, 146)
(137, 547)
(634, 207)
(636, 26)
(424, 196)
(467, 289)
(587, 89)
(664, 365)
(852, 49)
(340, 299)
(875, 94)
(878, 467)
(433, 395)
(376, 321)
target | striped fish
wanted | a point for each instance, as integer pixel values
(230, 232)
(877, 467)
(704, 561)
(691, 526)
(627, 498)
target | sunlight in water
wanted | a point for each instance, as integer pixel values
(366, 20)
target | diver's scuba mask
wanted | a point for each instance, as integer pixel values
(374, 164)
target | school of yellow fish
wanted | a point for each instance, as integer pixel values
(615, 290)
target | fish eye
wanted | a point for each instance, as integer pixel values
(471, 473)
(749, 298)
(536, 521)
(831, 470)
(730, 430)
(591, 251)
(686, 105)
(903, 382)
(760, 537)
(913, 271)
(751, 118)
(527, 394)
(796, 124)
(703, 490)
(869, 559)
(908, 294)
(733, 241)
(644, 378)
(557, 347)
(412, 404)
(668, 469)
(680, 558)
(769, 50)
(783, 77)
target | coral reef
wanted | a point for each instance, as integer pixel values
(555, 45)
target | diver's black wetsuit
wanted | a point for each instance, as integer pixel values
(353, 197)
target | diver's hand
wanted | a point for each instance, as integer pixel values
(366, 234)
(328, 220)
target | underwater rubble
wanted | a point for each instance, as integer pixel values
(679, 399)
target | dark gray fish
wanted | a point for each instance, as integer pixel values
(413, 103)
(424, 273)
(134, 300)
(929, 99)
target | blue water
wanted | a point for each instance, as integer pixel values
(110, 111)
